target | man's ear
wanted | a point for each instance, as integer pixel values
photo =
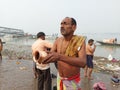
(74, 27)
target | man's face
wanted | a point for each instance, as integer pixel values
(91, 43)
(43, 37)
(66, 27)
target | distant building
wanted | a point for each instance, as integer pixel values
(11, 32)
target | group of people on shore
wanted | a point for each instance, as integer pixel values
(69, 53)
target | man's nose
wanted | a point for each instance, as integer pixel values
(62, 25)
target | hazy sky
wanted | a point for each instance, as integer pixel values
(32, 16)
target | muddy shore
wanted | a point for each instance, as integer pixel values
(18, 75)
(16, 70)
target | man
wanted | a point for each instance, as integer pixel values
(39, 51)
(1, 48)
(69, 52)
(90, 49)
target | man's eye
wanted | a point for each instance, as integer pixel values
(64, 23)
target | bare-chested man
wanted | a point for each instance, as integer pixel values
(39, 51)
(70, 54)
(90, 49)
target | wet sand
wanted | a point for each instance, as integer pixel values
(18, 75)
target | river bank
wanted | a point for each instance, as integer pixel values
(18, 75)
(16, 70)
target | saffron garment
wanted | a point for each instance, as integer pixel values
(74, 45)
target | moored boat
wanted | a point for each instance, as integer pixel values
(106, 43)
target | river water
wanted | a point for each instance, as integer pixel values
(101, 50)
(105, 50)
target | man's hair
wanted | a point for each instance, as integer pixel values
(73, 21)
(40, 34)
(90, 40)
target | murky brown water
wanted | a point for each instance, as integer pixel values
(18, 75)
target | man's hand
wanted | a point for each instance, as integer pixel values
(94, 46)
(51, 57)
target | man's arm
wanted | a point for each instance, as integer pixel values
(48, 45)
(75, 61)
(54, 48)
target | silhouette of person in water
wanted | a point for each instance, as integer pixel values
(1, 48)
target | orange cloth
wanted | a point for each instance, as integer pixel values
(74, 45)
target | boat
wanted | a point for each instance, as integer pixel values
(106, 43)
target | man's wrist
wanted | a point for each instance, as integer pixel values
(59, 57)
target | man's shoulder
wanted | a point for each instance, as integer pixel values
(36, 42)
(47, 42)
(59, 38)
(80, 36)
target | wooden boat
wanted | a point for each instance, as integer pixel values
(106, 43)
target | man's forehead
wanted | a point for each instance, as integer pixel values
(67, 19)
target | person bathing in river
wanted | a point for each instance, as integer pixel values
(90, 49)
